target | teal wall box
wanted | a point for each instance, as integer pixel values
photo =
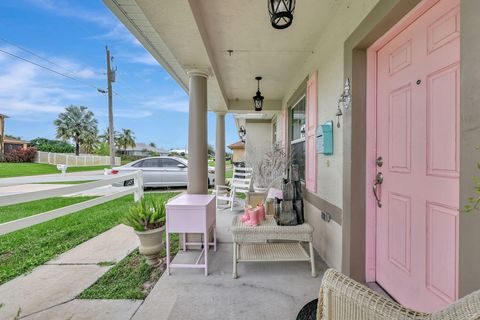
(325, 138)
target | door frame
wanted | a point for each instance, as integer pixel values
(371, 131)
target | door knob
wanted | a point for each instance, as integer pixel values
(378, 182)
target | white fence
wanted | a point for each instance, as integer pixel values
(7, 227)
(72, 160)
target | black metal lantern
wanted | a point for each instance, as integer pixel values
(281, 13)
(258, 98)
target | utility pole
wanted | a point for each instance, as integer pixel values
(111, 139)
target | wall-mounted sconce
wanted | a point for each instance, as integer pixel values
(242, 132)
(344, 101)
(346, 96)
(338, 115)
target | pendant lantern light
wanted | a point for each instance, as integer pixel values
(281, 13)
(258, 98)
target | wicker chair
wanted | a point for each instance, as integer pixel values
(341, 298)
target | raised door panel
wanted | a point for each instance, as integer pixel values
(442, 122)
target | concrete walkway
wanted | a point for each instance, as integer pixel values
(49, 291)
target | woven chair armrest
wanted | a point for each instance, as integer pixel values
(343, 298)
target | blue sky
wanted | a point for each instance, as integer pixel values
(72, 35)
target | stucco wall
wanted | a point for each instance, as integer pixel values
(328, 61)
(238, 155)
(259, 139)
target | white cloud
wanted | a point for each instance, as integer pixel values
(119, 32)
(174, 102)
(66, 9)
(28, 90)
(75, 69)
(116, 30)
(145, 58)
(140, 58)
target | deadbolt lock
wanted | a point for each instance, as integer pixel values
(379, 161)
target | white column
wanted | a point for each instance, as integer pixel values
(220, 150)
(197, 133)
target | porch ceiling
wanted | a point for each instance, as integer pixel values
(183, 34)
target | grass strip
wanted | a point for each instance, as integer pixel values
(27, 209)
(25, 249)
(131, 278)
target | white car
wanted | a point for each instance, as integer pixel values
(161, 172)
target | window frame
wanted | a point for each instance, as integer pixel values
(290, 129)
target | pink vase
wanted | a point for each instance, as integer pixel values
(253, 217)
(261, 212)
(245, 217)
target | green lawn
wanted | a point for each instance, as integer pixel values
(131, 278)
(228, 169)
(229, 172)
(26, 209)
(25, 249)
(8, 170)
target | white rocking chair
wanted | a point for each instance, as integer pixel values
(241, 183)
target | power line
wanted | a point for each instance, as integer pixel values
(43, 58)
(54, 71)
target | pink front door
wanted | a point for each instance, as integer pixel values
(418, 138)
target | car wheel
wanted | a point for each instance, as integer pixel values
(128, 183)
(208, 182)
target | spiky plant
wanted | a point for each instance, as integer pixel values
(145, 215)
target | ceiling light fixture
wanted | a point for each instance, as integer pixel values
(258, 98)
(281, 13)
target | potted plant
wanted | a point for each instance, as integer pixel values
(147, 218)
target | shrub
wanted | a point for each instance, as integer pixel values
(102, 149)
(21, 155)
(47, 145)
(129, 158)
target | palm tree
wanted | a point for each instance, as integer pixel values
(90, 143)
(126, 139)
(77, 123)
(106, 134)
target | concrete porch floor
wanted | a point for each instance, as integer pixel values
(262, 291)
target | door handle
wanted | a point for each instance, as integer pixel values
(378, 182)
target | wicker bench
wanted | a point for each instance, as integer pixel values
(254, 244)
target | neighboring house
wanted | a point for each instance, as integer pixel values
(143, 150)
(7, 143)
(238, 152)
(10, 144)
(376, 100)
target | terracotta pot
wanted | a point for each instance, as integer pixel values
(151, 244)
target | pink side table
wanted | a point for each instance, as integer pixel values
(191, 213)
